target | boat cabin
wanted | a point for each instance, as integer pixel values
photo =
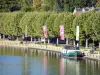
(71, 51)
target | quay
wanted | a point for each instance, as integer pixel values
(49, 49)
(31, 46)
(45, 47)
(95, 57)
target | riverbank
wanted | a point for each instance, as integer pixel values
(30, 45)
(95, 57)
(46, 47)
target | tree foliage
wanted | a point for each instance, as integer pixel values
(89, 33)
(68, 24)
(9, 5)
(10, 23)
(96, 25)
(13, 24)
(57, 23)
(40, 22)
(98, 3)
(50, 24)
(45, 5)
(48, 5)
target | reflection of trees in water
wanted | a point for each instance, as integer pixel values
(26, 63)
(45, 65)
(92, 67)
(49, 62)
(11, 51)
(6, 64)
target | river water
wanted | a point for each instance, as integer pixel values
(15, 61)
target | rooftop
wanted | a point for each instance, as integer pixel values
(79, 10)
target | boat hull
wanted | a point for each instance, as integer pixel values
(76, 54)
(73, 57)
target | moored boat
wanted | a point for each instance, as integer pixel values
(72, 52)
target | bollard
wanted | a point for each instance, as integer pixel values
(99, 56)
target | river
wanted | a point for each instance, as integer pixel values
(16, 61)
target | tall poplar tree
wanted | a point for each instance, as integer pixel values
(9, 5)
(36, 4)
(96, 26)
(98, 3)
(26, 5)
(48, 5)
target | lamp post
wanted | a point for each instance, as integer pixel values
(93, 43)
(45, 33)
(77, 37)
(26, 33)
(26, 73)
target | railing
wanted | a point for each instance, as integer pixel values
(44, 47)
(30, 45)
(93, 56)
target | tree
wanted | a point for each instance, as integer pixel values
(50, 24)
(1, 23)
(41, 22)
(98, 3)
(96, 26)
(68, 23)
(80, 20)
(69, 5)
(27, 20)
(48, 5)
(57, 23)
(36, 4)
(26, 5)
(89, 33)
(3, 6)
(9, 5)
(90, 3)
(10, 24)
(15, 22)
(79, 3)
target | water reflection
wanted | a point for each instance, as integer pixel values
(11, 65)
(45, 65)
(26, 63)
(79, 67)
(13, 62)
(69, 67)
(62, 66)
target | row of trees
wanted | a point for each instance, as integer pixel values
(9, 5)
(13, 24)
(46, 5)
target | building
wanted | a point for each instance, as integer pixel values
(78, 11)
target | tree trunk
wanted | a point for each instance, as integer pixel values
(74, 43)
(3, 36)
(57, 42)
(0, 36)
(44, 41)
(34, 40)
(39, 39)
(86, 45)
(99, 45)
(48, 41)
(66, 41)
(23, 37)
(31, 39)
(17, 38)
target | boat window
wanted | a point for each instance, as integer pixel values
(69, 47)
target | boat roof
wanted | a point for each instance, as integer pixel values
(70, 47)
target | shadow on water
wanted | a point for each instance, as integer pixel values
(18, 61)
